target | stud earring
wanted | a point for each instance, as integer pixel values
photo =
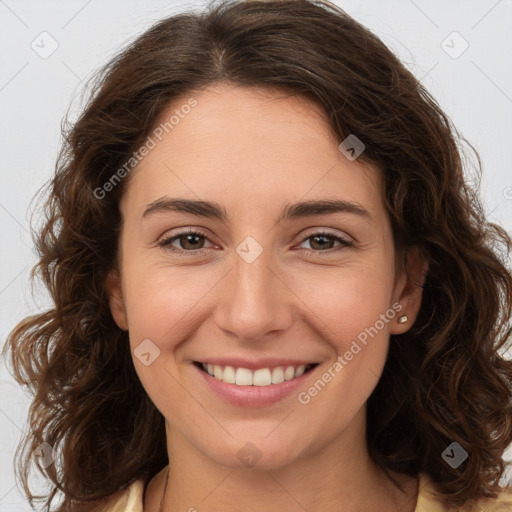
(402, 319)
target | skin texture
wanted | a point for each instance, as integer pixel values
(253, 151)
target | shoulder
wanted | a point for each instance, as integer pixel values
(427, 503)
(129, 499)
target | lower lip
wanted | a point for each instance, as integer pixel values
(254, 396)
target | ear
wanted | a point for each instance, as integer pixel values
(116, 299)
(409, 290)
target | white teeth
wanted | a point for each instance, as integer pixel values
(300, 370)
(277, 375)
(289, 373)
(243, 377)
(260, 377)
(229, 375)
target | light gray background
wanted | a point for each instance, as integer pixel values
(474, 89)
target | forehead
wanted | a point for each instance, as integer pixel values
(246, 147)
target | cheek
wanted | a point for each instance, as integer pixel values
(160, 310)
(351, 308)
(162, 302)
(359, 351)
(346, 300)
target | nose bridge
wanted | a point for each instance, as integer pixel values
(254, 302)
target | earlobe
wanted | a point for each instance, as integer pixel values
(411, 292)
(116, 299)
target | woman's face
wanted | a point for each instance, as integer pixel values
(267, 281)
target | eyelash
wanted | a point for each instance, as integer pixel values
(166, 242)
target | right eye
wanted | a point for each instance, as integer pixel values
(189, 240)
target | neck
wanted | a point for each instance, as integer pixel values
(341, 472)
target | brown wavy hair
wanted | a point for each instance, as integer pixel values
(444, 379)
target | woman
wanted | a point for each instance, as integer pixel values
(273, 288)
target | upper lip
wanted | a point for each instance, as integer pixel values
(270, 362)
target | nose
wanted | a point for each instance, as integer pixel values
(255, 300)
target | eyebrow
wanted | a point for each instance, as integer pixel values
(291, 211)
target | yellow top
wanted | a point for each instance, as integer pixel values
(131, 500)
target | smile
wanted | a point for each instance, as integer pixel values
(259, 377)
(250, 383)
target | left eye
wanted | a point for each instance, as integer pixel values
(193, 241)
(323, 241)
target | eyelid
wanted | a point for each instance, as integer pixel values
(326, 231)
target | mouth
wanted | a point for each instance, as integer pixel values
(261, 377)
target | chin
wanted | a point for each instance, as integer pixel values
(259, 454)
